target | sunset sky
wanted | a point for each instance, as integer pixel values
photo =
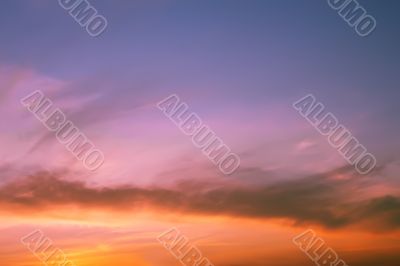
(239, 65)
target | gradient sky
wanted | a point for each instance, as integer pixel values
(239, 65)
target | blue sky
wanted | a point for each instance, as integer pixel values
(227, 58)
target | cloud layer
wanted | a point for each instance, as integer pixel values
(319, 200)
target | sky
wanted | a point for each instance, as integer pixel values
(239, 65)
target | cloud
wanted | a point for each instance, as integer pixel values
(318, 200)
